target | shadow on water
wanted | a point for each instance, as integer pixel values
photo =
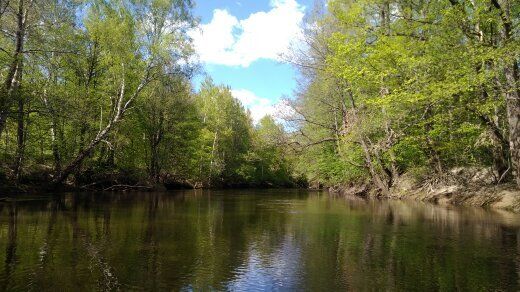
(253, 240)
(10, 250)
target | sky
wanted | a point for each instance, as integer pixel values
(239, 43)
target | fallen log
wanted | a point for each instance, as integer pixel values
(126, 187)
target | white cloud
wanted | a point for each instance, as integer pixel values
(259, 106)
(263, 35)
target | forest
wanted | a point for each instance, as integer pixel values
(99, 95)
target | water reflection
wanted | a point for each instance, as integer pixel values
(253, 240)
(10, 250)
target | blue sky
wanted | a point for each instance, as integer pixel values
(240, 42)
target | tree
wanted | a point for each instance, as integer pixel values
(136, 46)
(169, 123)
(268, 161)
(398, 85)
(225, 136)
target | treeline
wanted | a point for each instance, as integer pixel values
(98, 93)
(398, 86)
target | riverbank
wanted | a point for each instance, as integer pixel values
(461, 187)
(39, 182)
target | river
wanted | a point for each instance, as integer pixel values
(252, 240)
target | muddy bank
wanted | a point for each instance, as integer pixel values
(462, 187)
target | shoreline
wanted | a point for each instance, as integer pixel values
(504, 196)
(457, 191)
(10, 190)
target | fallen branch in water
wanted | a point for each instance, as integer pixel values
(89, 185)
(126, 187)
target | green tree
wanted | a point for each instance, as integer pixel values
(268, 161)
(394, 85)
(225, 137)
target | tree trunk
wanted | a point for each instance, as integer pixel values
(20, 137)
(376, 177)
(55, 148)
(156, 136)
(501, 149)
(153, 162)
(212, 156)
(381, 183)
(512, 97)
(154, 156)
(118, 113)
(71, 167)
(120, 108)
(54, 134)
(14, 75)
(435, 160)
(511, 90)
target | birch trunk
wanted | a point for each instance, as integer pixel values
(120, 108)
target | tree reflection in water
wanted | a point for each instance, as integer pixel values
(253, 240)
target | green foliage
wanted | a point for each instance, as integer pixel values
(232, 151)
(387, 87)
(267, 161)
(106, 94)
(396, 85)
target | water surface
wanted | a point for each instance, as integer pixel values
(252, 241)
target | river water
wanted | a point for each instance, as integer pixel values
(249, 240)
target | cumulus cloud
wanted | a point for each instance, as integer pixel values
(261, 107)
(258, 106)
(226, 40)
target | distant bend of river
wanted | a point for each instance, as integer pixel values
(252, 240)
